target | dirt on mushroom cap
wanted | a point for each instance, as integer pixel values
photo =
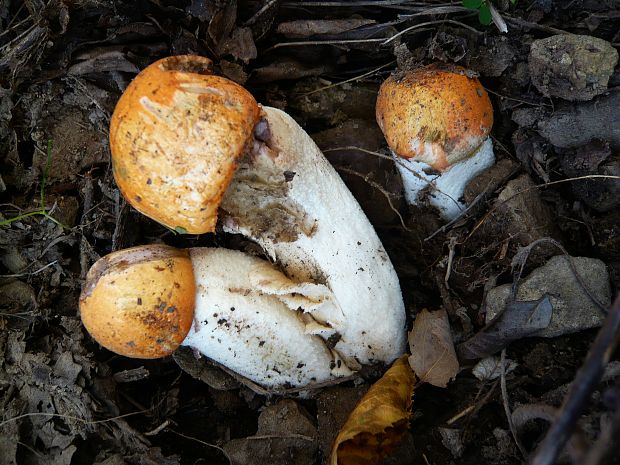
(437, 115)
(175, 136)
(139, 302)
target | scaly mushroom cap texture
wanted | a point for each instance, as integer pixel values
(139, 302)
(434, 115)
(176, 135)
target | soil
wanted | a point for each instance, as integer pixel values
(64, 63)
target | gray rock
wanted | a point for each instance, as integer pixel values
(285, 417)
(576, 124)
(572, 67)
(572, 309)
(521, 214)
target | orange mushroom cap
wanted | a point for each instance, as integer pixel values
(139, 302)
(176, 135)
(434, 114)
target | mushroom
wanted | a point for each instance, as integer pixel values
(436, 121)
(187, 146)
(237, 309)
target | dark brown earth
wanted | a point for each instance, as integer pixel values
(64, 400)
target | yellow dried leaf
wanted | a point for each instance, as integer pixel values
(379, 420)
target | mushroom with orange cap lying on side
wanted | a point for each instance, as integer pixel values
(437, 120)
(188, 146)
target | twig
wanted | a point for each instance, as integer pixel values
(380, 188)
(281, 436)
(71, 417)
(506, 403)
(120, 209)
(158, 429)
(361, 149)
(351, 3)
(11, 26)
(35, 272)
(523, 255)
(400, 162)
(581, 388)
(256, 16)
(450, 223)
(451, 247)
(324, 42)
(203, 443)
(540, 27)
(606, 439)
(514, 99)
(460, 415)
(430, 23)
(437, 10)
(478, 403)
(353, 79)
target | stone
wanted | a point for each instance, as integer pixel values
(521, 214)
(573, 310)
(575, 124)
(572, 67)
(285, 417)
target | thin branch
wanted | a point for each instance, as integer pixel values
(430, 23)
(351, 3)
(213, 446)
(353, 79)
(380, 188)
(524, 254)
(70, 417)
(581, 388)
(506, 403)
(324, 42)
(22, 274)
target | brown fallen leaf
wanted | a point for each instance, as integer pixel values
(433, 357)
(379, 420)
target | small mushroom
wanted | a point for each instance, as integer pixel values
(437, 121)
(186, 150)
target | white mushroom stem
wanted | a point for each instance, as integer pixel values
(254, 320)
(444, 188)
(289, 199)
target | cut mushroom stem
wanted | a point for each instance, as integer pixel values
(437, 121)
(269, 182)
